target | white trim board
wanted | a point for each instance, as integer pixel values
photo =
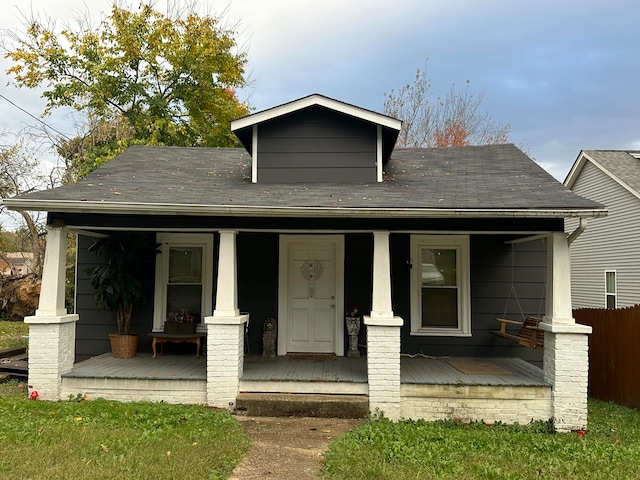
(75, 206)
(313, 100)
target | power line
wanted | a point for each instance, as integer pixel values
(34, 117)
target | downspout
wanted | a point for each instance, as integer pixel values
(578, 231)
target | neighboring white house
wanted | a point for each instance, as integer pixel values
(605, 265)
(16, 263)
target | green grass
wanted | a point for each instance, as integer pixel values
(12, 334)
(103, 439)
(107, 440)
(381, 449)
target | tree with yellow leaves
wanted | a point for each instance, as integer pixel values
(163, 79)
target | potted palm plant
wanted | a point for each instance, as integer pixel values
(119, 283)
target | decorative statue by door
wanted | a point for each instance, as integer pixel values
(353, 329)
(269, 333)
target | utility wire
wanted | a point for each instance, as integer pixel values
(34, 117)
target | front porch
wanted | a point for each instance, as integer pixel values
(397, 386)
(464, 389)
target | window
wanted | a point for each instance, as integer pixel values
(184, 277)
(440, 303)
(610, 289)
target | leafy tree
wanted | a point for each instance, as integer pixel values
(19, 173)
(9, 242)
(455, 120)
(100, 142)
(144, 77)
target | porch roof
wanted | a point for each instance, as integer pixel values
(475, 181)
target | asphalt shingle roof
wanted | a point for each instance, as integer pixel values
(621, 164)
(497, 177)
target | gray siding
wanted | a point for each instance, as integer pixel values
(94, 326)
(609, 243)
(316, 145)
(491, 274)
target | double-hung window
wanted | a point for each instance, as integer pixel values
(184, 277)
(610, 289)
(440, 303)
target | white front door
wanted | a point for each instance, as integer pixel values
(312, 300)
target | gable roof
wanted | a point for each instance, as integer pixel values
(623, 166)
(476, 181)
(243, 127)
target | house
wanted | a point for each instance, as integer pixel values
(319, 213)
(604, 260)
(16, 263)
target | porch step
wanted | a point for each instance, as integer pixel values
(303, 405)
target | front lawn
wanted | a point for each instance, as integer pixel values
(13, 334)
(103, 439)
(380, 449)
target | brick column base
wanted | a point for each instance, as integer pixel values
(225, 359)
(383, 365)
(52, 347)
(566, 368)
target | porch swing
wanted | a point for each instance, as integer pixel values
(529, 334)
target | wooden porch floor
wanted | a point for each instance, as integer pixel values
(142, 366)
(513, 372)
(420, 371)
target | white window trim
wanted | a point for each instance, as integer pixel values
(461, 243)
(167, 240)
(379, 172)
(254, 152)
(614, 294)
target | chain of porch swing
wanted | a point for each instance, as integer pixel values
(512, 289)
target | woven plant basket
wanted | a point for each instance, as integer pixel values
(123, 346)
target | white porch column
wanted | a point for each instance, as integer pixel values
(225, 330)
(52, 332)
(566, 349)
(383, 336)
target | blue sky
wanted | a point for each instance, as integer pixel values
(564, 74)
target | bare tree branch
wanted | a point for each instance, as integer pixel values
(453, 120)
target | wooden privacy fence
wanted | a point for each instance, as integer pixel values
(614, 353)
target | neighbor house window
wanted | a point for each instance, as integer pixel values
(440, 303)
(184, 277)
(610, 289)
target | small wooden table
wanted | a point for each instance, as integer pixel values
(161, 337)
